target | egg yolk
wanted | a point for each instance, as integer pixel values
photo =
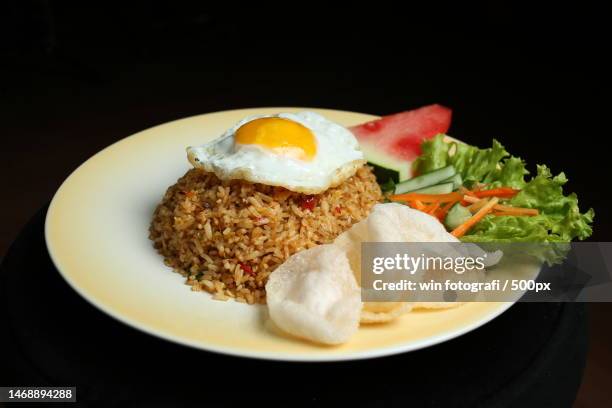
(283, 136)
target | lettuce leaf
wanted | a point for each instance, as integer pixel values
(492, 165)
(560, 219)
(545, 193)
(511, 173)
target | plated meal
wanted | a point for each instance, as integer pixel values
(270, 208)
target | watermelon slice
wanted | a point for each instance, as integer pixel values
(394, 141)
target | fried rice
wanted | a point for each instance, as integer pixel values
(226, 237)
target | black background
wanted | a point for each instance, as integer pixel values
(77, 77)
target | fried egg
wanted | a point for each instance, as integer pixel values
(302, 152)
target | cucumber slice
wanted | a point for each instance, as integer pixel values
(456, 216)
(456, 180)
(444, 188)
(425, 180)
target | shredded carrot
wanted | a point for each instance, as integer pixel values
(517, 210)
(427, 198)
(465, 227)
(505, 210)
(419, 205)
(465, 191)
(441, 213)
(471, 199)
(505, 192)
(478, 203)
(433, 208)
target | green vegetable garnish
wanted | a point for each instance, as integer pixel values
(560, 219)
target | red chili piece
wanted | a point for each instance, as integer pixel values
(309, 202)
(246, 268)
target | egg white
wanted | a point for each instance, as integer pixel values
(337, 158)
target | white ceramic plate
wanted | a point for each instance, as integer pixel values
(97, 235)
